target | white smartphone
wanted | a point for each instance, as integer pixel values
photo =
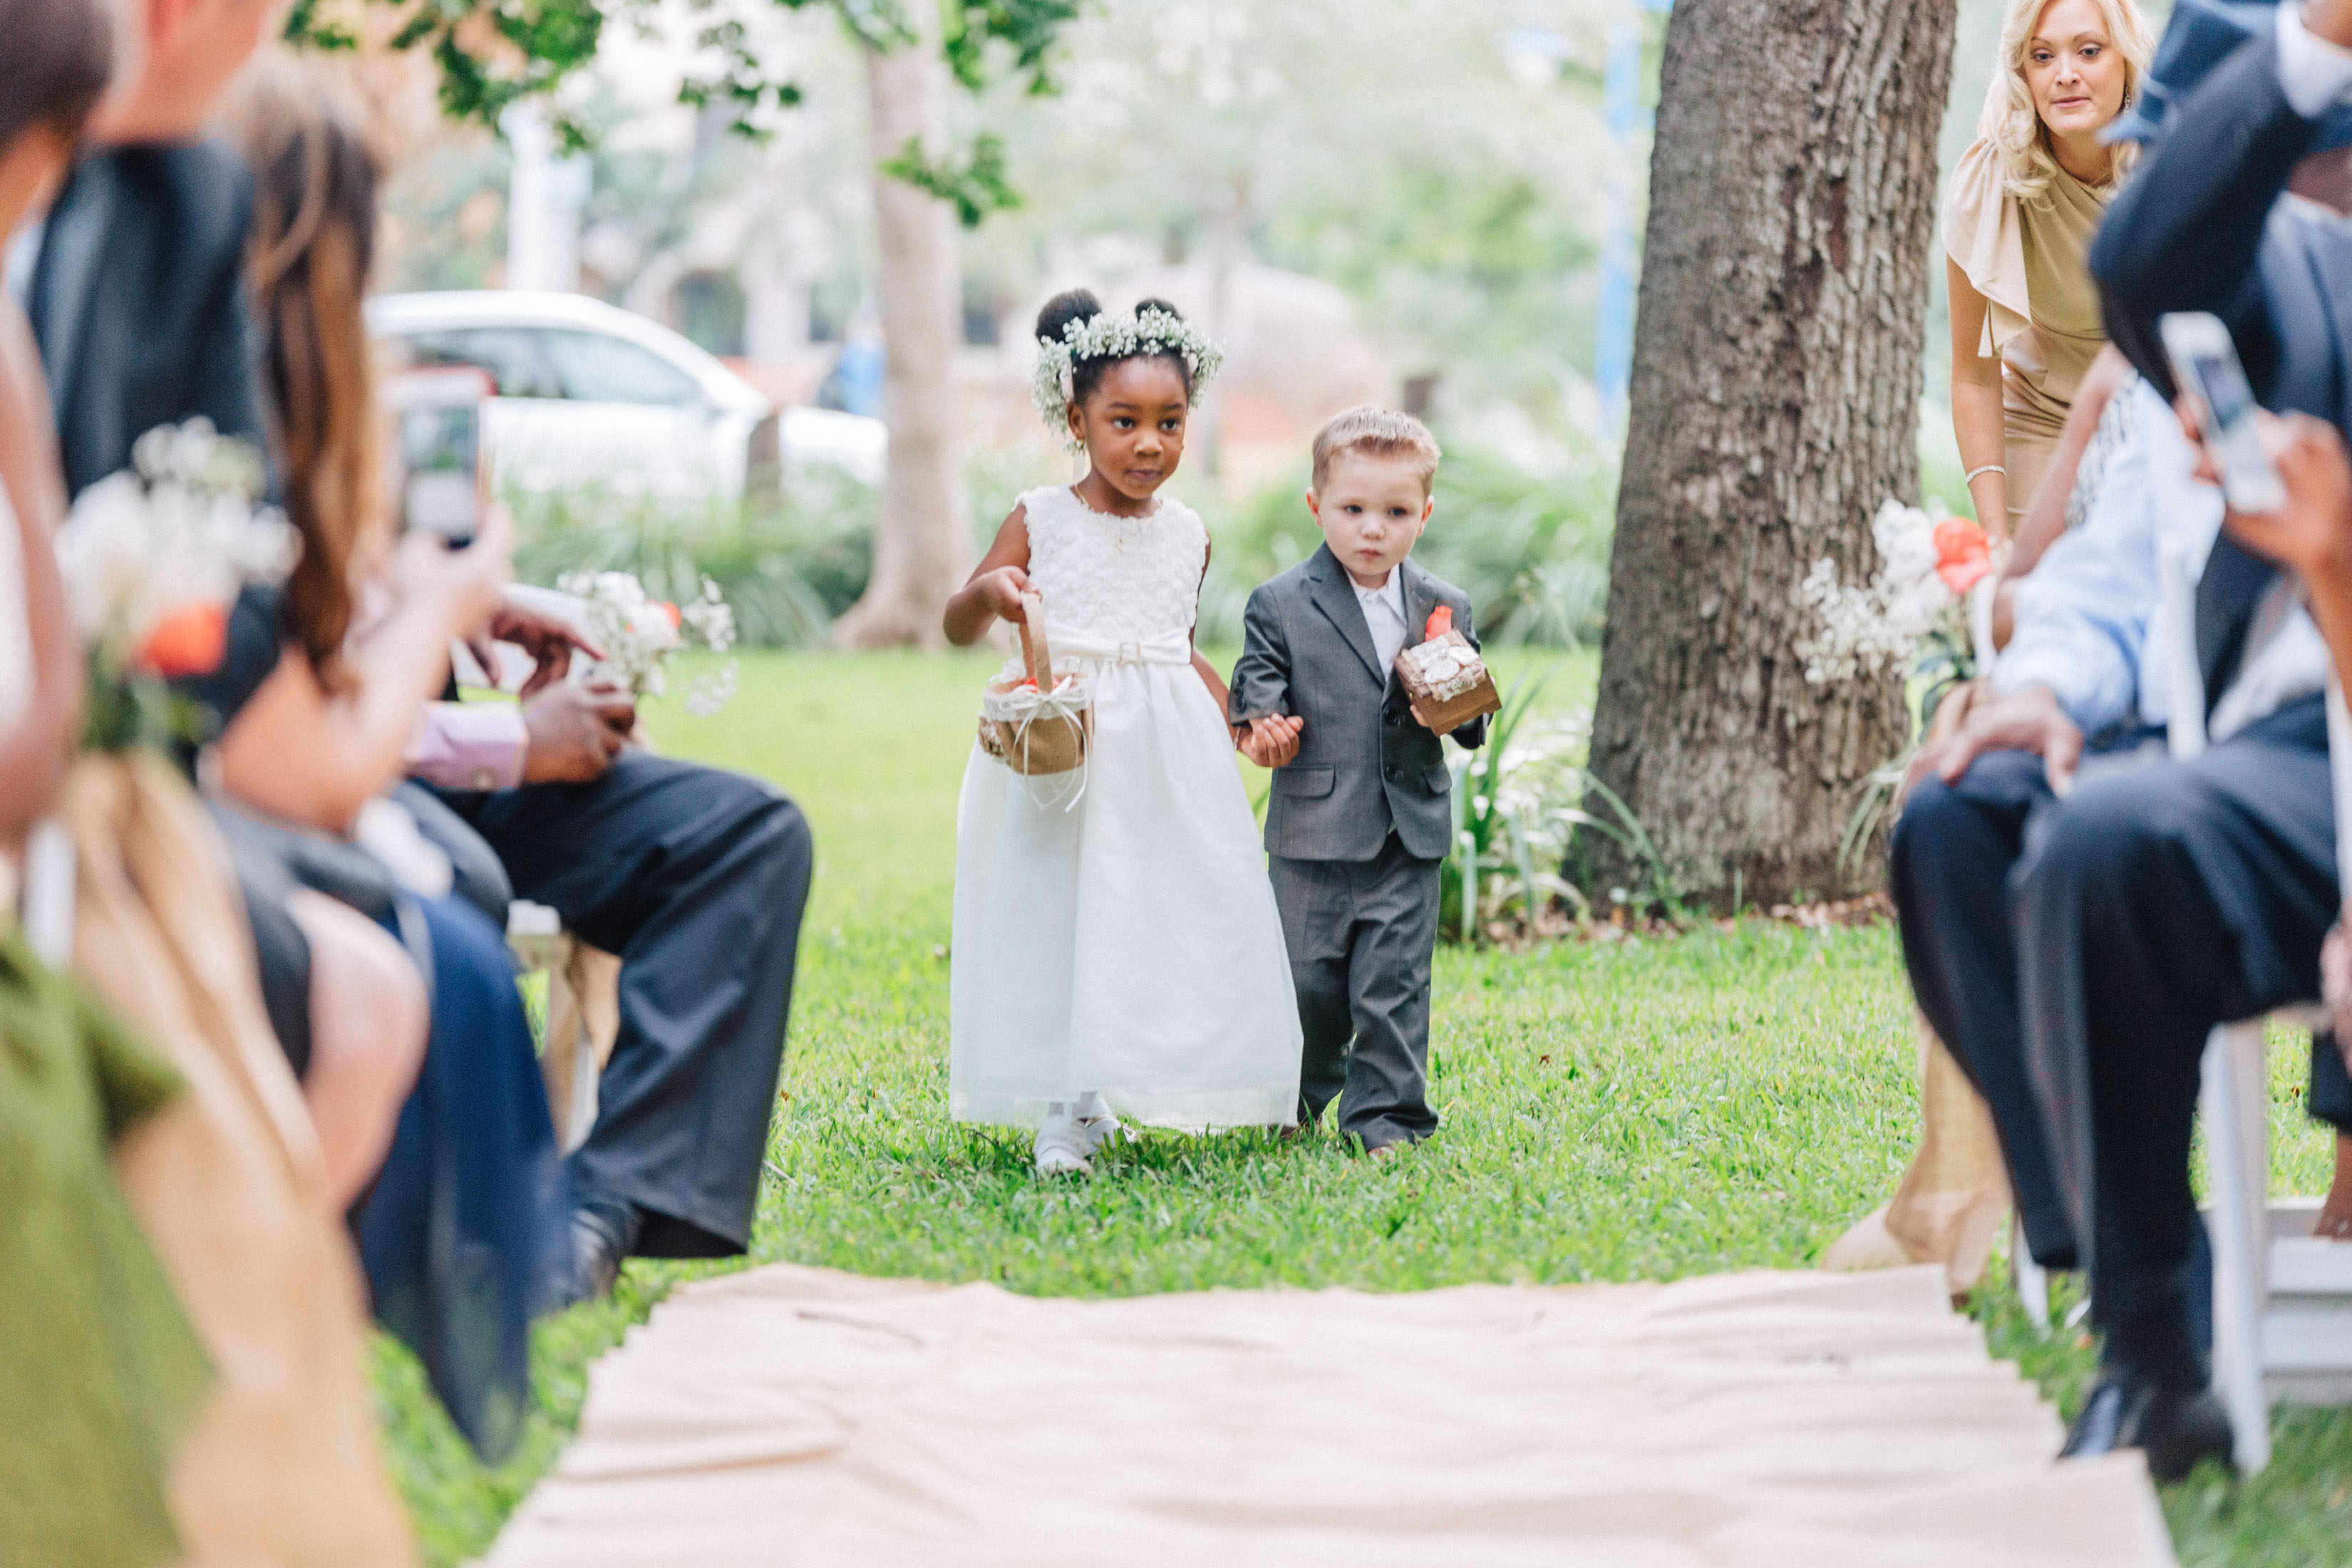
(2205, 363)
(437, 453)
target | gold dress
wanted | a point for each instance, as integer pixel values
(2042, 313)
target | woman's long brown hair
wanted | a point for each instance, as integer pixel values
(314, 240)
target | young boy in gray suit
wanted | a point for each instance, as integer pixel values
(1360, 818)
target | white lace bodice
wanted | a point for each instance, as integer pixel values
(1117, 579)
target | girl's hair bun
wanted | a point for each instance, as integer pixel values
(1076, 305)
(1162, 305)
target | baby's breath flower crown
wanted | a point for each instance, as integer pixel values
(1107, 337)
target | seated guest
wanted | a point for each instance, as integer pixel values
(138, 302)
(2114, 914)
(319, 698)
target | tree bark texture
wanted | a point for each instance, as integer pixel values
(1775, 406)
(923, 531)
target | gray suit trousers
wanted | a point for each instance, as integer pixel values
(1361, 935)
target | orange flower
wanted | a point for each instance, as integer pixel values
(669, 611)
(1963, 556)
(1441, 621)
(189, 640)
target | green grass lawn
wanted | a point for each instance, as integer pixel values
(1613, 1111)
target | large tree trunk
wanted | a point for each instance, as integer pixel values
(1775, 404)
(922, 533)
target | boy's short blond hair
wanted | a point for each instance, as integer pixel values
(1377, 432)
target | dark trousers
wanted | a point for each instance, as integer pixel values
(1361, 935)
(2159, 903)
(2075, 954)
(697, 879)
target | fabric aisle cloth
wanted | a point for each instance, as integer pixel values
(1114, 930)
(795, 1417)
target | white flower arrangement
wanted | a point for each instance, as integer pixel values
(1109, 337)
(1927, 564)
(152, 558)
(639, 634)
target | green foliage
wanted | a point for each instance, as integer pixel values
(788, 568)
(975, 185)
(1516, 805)
(1028, 28)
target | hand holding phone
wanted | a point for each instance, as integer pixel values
(2213, 383)
(2310, 531)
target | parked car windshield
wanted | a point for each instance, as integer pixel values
(548, 361)
(510, 356)
(596, 368)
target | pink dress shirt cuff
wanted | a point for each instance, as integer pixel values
(468, 745)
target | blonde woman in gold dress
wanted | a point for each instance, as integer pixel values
(2023, 204)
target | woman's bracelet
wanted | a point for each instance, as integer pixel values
(1970, 477)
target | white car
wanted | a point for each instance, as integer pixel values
(590, 397)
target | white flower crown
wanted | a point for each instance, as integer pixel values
(1109, 337)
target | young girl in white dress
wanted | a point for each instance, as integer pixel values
(1117, 953)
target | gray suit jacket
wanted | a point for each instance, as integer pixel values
(1364, 763)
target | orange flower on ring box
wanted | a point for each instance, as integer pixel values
(1963, 553)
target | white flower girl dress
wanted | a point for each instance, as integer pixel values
(1116, 935)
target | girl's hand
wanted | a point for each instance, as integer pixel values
(470, 583)
(1001, 591)
(2312, 532)
(1270, 742)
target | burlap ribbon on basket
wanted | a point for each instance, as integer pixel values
(281, 1466)
(1041, 725)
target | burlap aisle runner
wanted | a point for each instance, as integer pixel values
(799, 1416)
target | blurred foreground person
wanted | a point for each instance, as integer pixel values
(100, 1370)
(280, 1463)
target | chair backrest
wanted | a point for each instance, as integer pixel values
(2184, 683)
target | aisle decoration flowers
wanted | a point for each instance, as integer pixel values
(1915, 613)
(153, 558)
(640, 634)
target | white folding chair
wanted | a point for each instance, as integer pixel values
(2282, 1298)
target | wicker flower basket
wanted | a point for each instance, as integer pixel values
(1038, 725)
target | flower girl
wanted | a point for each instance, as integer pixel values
(1116, 947)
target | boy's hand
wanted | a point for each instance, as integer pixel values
(1269, 741)
(1002, 589)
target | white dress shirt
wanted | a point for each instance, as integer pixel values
(2086, 621)
(1384, 614)
(2315, 74)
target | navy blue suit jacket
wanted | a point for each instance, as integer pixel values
(137, 301)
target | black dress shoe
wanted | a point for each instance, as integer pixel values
(2174, 1427)
(603, 1231)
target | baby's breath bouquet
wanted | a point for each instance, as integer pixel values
(153, 558)
(639, 634)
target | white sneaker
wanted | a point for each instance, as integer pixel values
(1101, 1130)
(1062, 1145)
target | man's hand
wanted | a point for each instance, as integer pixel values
(1269, 741)
(2312, 533)
(576, 733)
(2028, 721)
(2329, 19)
(549, 639)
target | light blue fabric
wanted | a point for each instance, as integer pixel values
(2084, 612)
